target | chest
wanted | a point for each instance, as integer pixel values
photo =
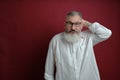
(69, 53)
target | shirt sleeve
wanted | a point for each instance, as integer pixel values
(50, 62)
(100, 33)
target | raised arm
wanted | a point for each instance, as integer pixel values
(100, 33)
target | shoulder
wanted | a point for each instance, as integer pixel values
(57, 37)
(86, 33)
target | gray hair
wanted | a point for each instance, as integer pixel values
(73, 13)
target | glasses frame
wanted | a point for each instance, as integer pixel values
(70, 24)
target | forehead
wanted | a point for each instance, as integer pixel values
(74, 18)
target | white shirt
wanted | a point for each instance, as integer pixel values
(75, 61)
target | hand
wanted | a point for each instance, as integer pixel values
(86, 23)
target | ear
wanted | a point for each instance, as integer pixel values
(83, 22)
(82, 25)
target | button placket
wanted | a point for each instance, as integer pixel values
(74, 60)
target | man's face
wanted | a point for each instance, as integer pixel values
(73, 24)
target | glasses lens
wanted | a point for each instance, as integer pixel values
(71, 24)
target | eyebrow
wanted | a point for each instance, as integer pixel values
(71, 22)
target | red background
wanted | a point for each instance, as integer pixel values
(27, 26)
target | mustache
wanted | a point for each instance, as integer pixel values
(72, 31)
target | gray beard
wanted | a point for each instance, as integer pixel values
(72, 38)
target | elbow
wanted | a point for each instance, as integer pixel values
(108, 34)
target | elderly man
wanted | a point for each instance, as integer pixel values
(71, 52)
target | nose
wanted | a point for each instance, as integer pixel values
(73, 27)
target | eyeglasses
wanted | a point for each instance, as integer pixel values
(68, 23)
